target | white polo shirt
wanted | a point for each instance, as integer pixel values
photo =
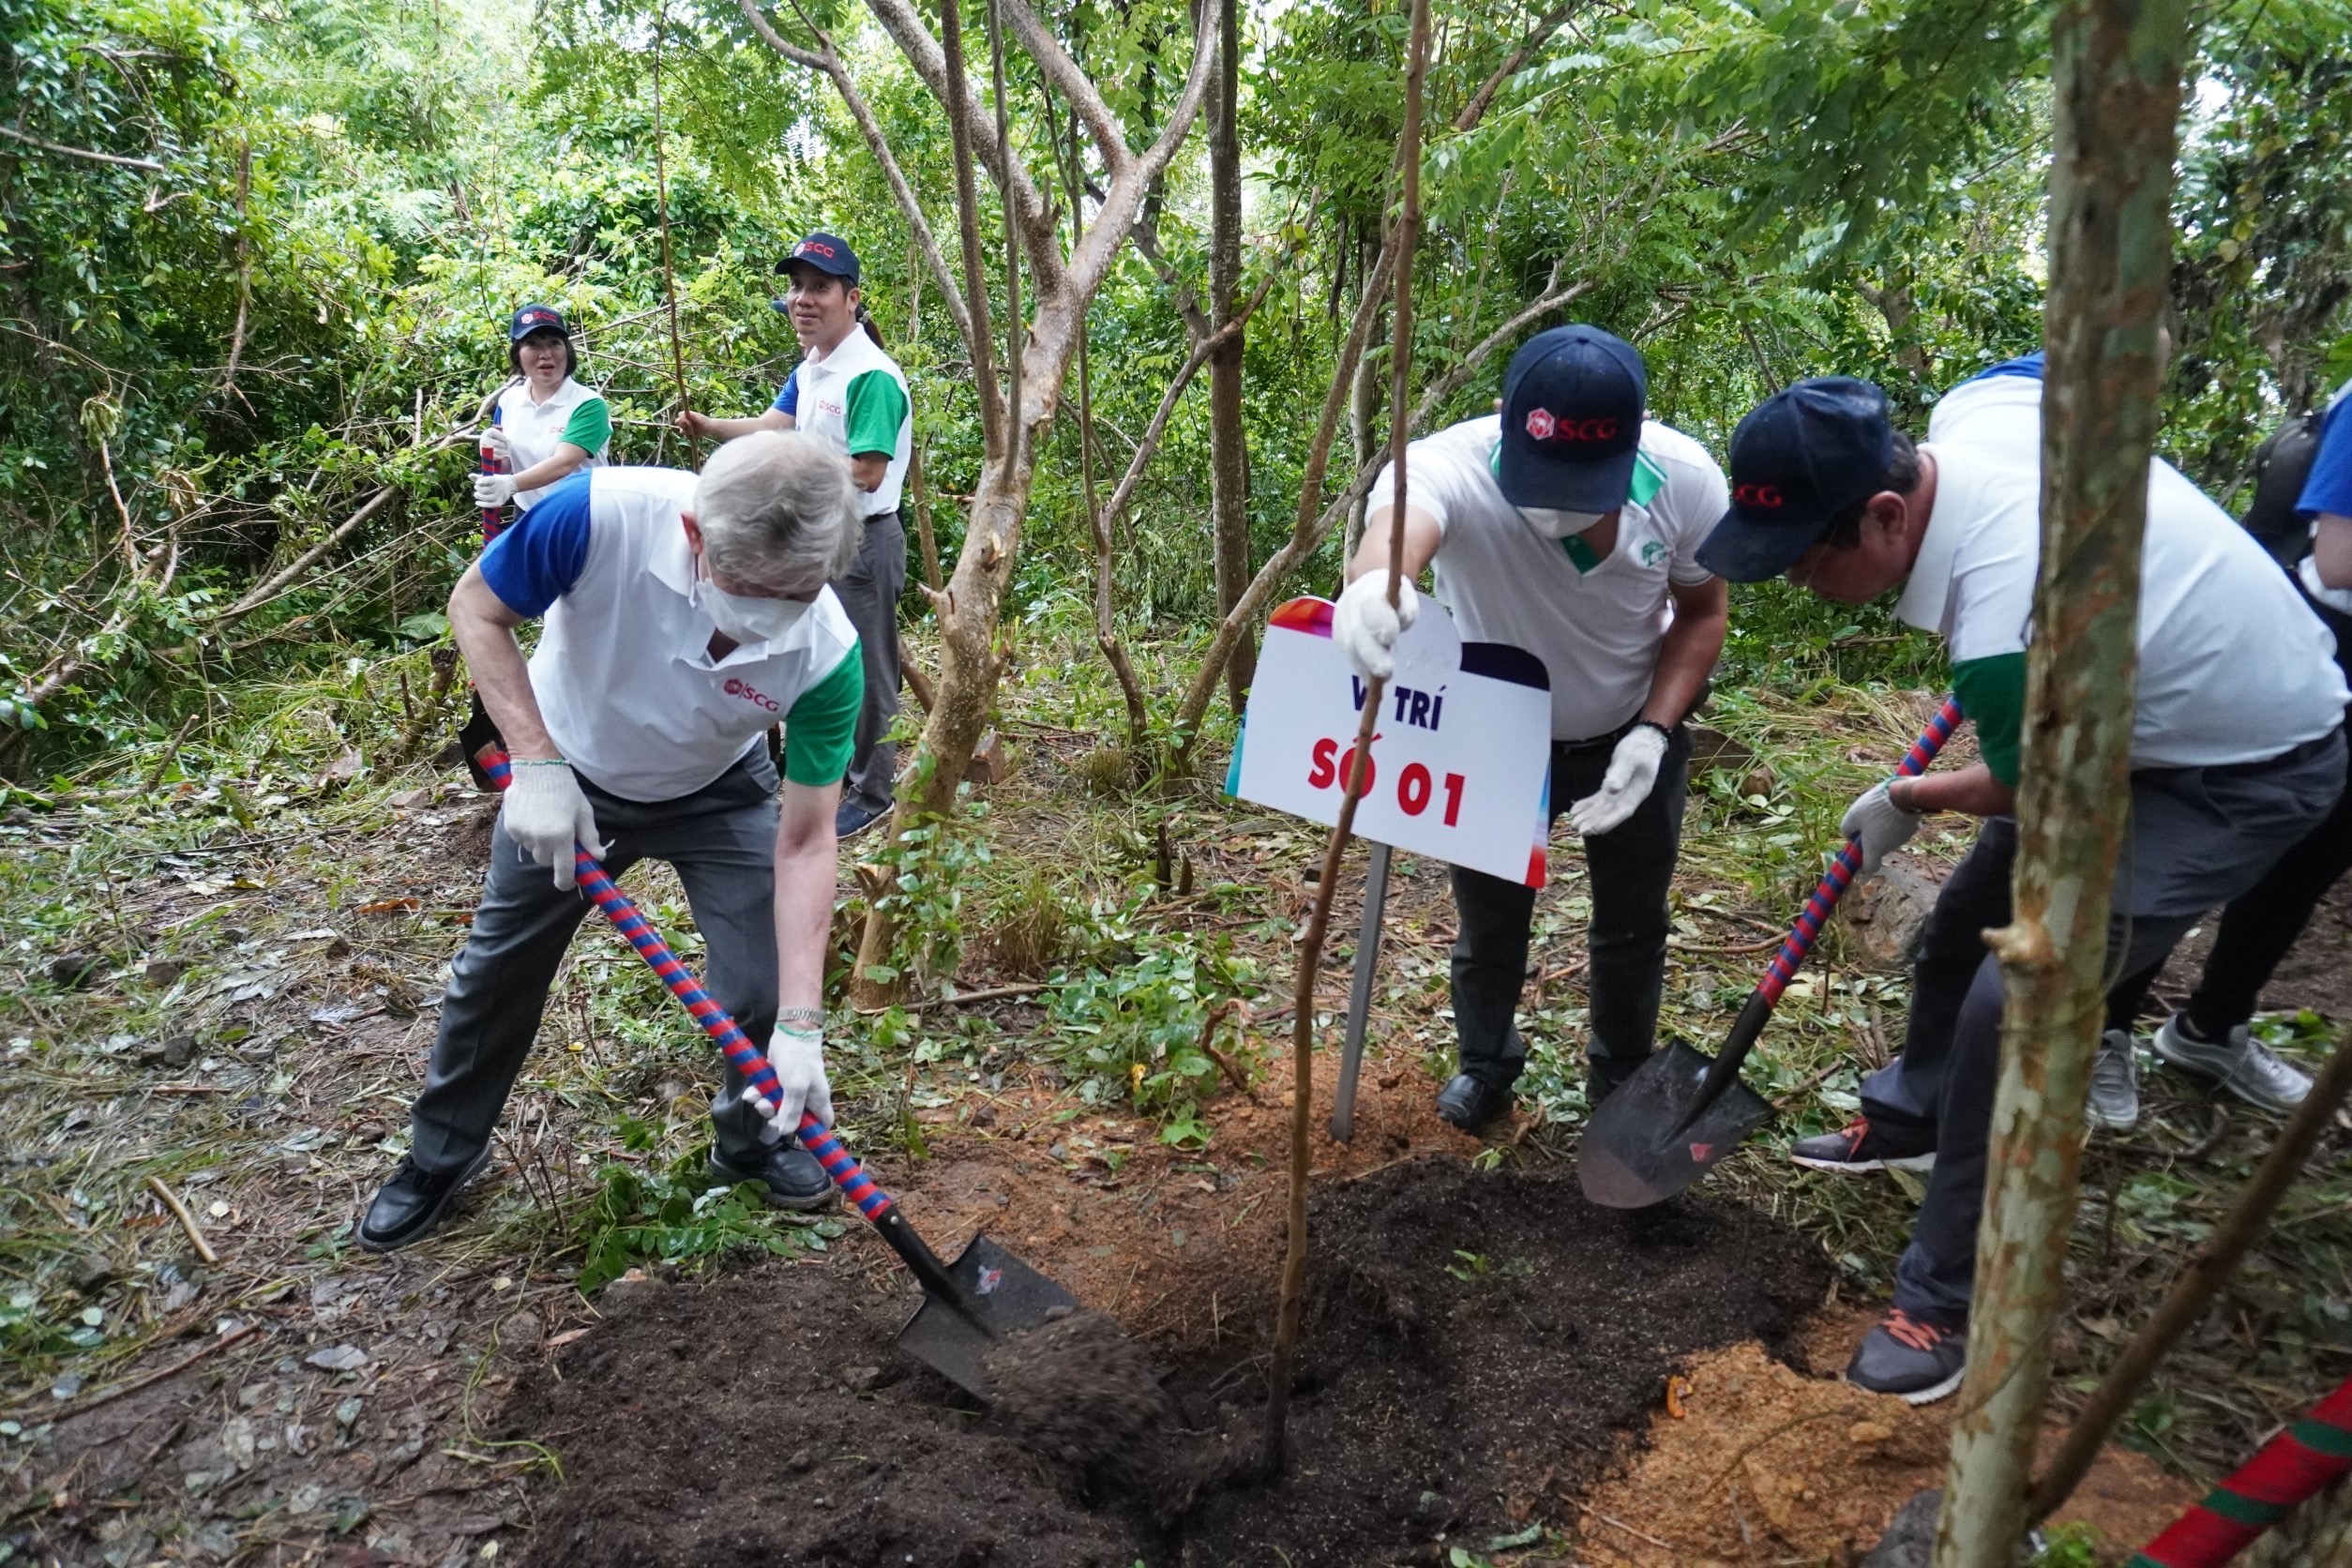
(846, 398)
(535, 430)
(2233, 667)
(624, 674)
(1596, 628)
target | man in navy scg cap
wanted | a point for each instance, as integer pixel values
(1565, 525)
(2236, 756)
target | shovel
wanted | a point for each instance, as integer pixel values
(1680, 1113)
(983, 1295)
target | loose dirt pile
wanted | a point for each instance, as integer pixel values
(1478, 1347)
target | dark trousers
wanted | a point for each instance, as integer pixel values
(870, 595)
(721, 839)
(2261, 924)
(2198, 837)
(1628, 870)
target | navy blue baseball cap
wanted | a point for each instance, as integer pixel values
(1800, 456)
(827, 253)
(1572, 408)
(531, 318)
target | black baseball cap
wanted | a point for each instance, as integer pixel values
(1572, 408)
(827, 253)
(1800, 458)
(532, 318)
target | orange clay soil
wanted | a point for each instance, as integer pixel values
(1768, 1466)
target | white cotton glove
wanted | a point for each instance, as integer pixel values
(798, 1056)
(1633, 771)
(1366, 629)
(495, 439)
(1879, 825)
(493, 490)
(545, 812)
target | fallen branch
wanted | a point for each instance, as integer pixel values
(188, 1221)
(159, 1375)
(993, 993)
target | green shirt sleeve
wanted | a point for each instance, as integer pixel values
(821, 730)
(1992, 692)
(590, 427)
(877, 412)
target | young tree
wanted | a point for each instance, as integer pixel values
(2117, 70)
(1062, 282)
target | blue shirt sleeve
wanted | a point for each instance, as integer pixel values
(2028, 365)
(2330, 487)
(788, 399)
(543, 551)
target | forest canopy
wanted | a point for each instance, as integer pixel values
(256, 262)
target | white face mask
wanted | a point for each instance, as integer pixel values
(743, 617)
(1555, 525)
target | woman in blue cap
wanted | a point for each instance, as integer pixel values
(549, 425)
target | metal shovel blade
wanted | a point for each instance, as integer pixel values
(1637, 1152)
(999, 1294)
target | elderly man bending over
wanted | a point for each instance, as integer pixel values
(685, 615)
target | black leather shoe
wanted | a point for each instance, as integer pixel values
(791, 1175)
(410, 1205)
(1470, 1103)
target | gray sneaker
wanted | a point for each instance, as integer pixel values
(2242, 1065)
(2115, 1084)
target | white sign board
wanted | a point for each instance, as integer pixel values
(1461, 754)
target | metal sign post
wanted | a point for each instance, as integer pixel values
(1343, 1102)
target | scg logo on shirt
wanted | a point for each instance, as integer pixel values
(735, 687)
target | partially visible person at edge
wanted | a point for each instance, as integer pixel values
(684, 616)
(2237, 753)
(1567, 525)
(849, 393)
(549, 425)
(2211, 1034)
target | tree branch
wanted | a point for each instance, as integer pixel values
(1022, 199)
(828, 62)
(1072, 84)
(1475, 110)
(148, 164)
(1123, 201)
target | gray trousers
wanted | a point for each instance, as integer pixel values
(870, 595)
(721, 840)
(2197, 838)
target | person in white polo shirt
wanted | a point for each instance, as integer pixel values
(683, 617)
(549, 425)
(1567, 525)
(850, 393)
(2237, 753)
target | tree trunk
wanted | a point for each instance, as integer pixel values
(2118, 71)
(1228, 440)
(2317, 1535)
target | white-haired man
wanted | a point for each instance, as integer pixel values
(684, 616)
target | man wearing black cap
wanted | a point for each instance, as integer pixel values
(2235, 754)
(852, 395)
(1568, 525)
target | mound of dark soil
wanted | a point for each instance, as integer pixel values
(1478, 1347)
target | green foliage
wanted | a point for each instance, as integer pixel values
(647, 1216)
(2072, 1545)
(1133, 1029)
(927, 868)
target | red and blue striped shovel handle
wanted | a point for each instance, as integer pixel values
(493, 518)
(744, 1057)
(1807, 929)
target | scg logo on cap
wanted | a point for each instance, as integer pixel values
(814, 248)
(1767, 496)
(1543, 425)
(540, 318)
